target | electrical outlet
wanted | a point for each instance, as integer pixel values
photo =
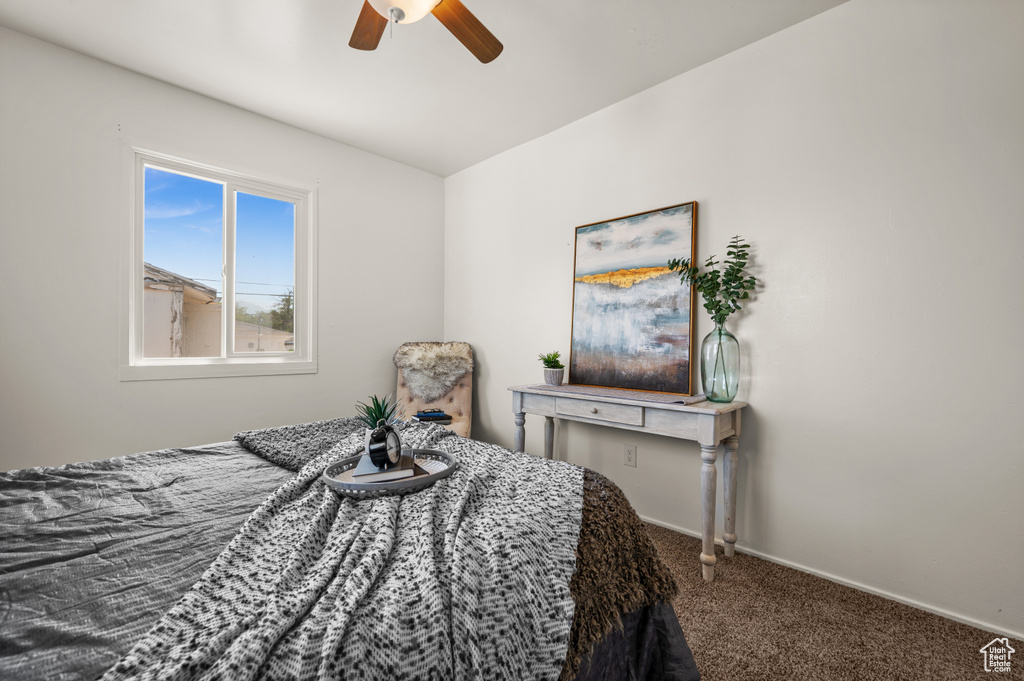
(629, 455)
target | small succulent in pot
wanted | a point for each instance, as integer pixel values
(378, 410)
(554, 370)
(551, 360)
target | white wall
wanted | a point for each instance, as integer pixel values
(874, 156)
(63, 120)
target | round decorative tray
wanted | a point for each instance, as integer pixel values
(435, 465)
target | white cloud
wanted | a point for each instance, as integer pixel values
(176, 210)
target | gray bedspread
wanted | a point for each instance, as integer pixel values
(466, 579)
(94, 553)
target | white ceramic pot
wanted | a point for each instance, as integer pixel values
(553, 376)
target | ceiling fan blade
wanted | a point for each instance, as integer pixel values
(468, 29)
(369, 28)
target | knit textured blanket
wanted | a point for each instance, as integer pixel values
(480, 576)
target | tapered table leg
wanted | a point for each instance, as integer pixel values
(729, 466)
(520, 434)
(520, 437)
(549, 437)
(708, 484)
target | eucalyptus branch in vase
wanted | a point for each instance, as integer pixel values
(721, 290)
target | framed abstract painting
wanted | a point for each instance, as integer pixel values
(632, 321)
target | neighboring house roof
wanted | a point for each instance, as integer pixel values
(155, 276)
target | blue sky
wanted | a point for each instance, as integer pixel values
(184, 227)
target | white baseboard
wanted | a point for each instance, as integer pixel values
(978, 624)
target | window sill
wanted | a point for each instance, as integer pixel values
(216, 368)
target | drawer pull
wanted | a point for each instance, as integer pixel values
(592, 410)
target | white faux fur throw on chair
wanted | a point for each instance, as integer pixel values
(437, 375)
(433, 369)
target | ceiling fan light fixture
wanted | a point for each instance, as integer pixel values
(375, 16)
(404, 11)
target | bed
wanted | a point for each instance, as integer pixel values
(233, 560)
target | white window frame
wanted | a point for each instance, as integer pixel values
(302, 360)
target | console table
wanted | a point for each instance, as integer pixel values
(707, 423)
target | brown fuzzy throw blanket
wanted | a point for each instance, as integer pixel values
(618, 569)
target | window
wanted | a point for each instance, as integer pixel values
(221, 273)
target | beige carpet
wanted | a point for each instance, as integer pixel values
(759, 620)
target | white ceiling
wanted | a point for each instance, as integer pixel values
(421, 98)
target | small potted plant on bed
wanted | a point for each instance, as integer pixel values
(379, 410)
(554, 370)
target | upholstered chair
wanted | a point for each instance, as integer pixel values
(437, 375)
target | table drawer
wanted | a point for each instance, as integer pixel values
(600, 411)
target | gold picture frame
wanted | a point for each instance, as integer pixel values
(632, 320)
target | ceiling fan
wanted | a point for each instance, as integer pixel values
(376, 14)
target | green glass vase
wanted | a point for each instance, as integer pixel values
(720, 365)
